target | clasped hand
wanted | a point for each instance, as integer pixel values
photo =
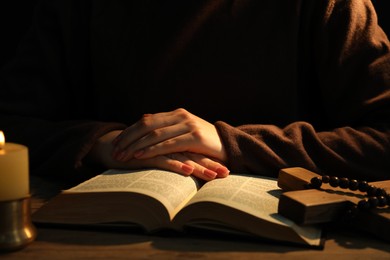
(177, 141)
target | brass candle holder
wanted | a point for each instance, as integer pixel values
(16, 228)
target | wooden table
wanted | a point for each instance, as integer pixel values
(55, 243)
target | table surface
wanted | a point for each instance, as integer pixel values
(61, 243)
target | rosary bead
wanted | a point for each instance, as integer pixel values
(353, 185)
(382, 201)
(371, 190)
(380, 192)
(334, 181)
(373, 201)
(316, 182)
(325, 179)
(363, 185)
(344, 183)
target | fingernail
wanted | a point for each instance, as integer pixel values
(187, 168)
(210, 174)
(222, 171)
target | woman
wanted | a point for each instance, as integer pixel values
(202, 88)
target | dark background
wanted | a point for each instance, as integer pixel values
(16, 15)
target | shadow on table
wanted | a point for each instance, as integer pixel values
(351, 238)
(167, 240)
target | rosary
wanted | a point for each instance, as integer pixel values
(376, 197)
(357, 203)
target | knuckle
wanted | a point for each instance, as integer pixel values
(145, 121)
(198, 136)
(191, 124)
(182, 113)
(155, 133)
(181, 110)
(196, 133)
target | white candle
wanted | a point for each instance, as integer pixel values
(14, 179)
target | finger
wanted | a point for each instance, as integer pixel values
(147, 123)
(198, 170)
(161, 162)
(178, 144)
(175, 164)
(155, 137)
(221, 170)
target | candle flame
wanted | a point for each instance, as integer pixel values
(2, 140)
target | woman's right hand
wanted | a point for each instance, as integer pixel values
(185, 163)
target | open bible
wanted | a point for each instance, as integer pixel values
(157, 200)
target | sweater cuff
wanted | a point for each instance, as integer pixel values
(96, 132)
(229, 141)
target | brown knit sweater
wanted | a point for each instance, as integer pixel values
(287, 83)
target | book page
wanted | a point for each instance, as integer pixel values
(171, 189)
(255, 195)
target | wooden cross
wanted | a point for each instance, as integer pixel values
(328, 204)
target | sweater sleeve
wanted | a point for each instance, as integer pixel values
(45, 100)
(350, 62)
(57, 149)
